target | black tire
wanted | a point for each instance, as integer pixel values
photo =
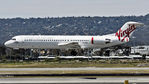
(73, 53)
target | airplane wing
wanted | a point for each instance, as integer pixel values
(70, 44)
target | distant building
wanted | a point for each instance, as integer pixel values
(142, 50)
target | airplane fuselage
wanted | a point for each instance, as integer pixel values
(53, 41)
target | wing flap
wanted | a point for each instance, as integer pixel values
(70, 44)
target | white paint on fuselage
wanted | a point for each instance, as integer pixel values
(52, 41)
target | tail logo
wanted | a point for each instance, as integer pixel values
(126, 33)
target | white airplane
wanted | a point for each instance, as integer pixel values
(70, 42)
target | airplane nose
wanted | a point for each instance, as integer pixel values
(8, 43)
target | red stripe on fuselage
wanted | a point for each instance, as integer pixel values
(92, 40)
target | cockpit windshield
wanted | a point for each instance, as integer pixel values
(13, 39)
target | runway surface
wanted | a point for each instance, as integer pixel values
(70, 80)
(59, 69)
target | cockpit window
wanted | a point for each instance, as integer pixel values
(13, 39)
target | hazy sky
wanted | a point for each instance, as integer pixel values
(55, 8)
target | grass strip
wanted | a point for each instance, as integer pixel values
(75, 72)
